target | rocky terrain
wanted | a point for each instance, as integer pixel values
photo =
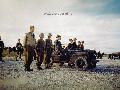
(106, 76)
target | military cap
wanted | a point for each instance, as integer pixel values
(19, 39)
(70, 39)
(74, 38)
(82, 41)
(58, 36)
(79, 41)
(49, 34)
(41, 35)
(31, 26)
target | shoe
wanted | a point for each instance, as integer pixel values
(28, 69)
(3, 61)
(47, 67)
(39, 68)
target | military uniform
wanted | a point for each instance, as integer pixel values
(1, 49)
(74, 46)
(58, 45)
(19, 49)
(29, 45)
(70, 46)
(48, 50)
(40, 51)
(82, 45)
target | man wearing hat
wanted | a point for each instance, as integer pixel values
(48, 50)
(1, 49)
(82, 45)
(74, 43)
(58, 45)
(29, 46)
(70, 45)
(79, 45)
(40, 51)
(19, 48)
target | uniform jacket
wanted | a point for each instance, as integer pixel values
(58, 45)
(48, 43)
(40, 44)
(29, 40)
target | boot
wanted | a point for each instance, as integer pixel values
(39, 68)
(28, 68)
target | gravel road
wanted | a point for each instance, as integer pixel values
(106, 76)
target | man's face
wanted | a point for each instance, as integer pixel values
(71, 40)
(42, 36)
(49, 36)
(59, 38)
(32, 29)
(74, 40)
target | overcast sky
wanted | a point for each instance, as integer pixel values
(97, 22)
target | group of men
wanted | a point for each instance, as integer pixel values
(73, 46)
(42, 47)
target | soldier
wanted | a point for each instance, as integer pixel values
(82, 45)
(98, 55)
(29, 45)
(58, 45)
(40, 51)
(14, 50)
(19, 48)
(74, 44)
(79, 45)
(70, 45)
(1, 49)
(48, 50)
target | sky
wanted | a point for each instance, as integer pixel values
(97, 22)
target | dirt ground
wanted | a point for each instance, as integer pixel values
(106, 76)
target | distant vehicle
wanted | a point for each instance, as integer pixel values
(115, 55)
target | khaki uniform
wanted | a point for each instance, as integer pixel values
(29, 44)
(40, 52)
(30, 40)
(48, 50)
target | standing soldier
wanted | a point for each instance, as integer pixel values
(19, 48)
(29, 45)
(1, 49)
(58, 45)
(48, 50)
(40, 51)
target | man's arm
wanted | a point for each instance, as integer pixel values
(25, 41)
(3, 45)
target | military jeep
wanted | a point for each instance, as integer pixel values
(84, 60)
